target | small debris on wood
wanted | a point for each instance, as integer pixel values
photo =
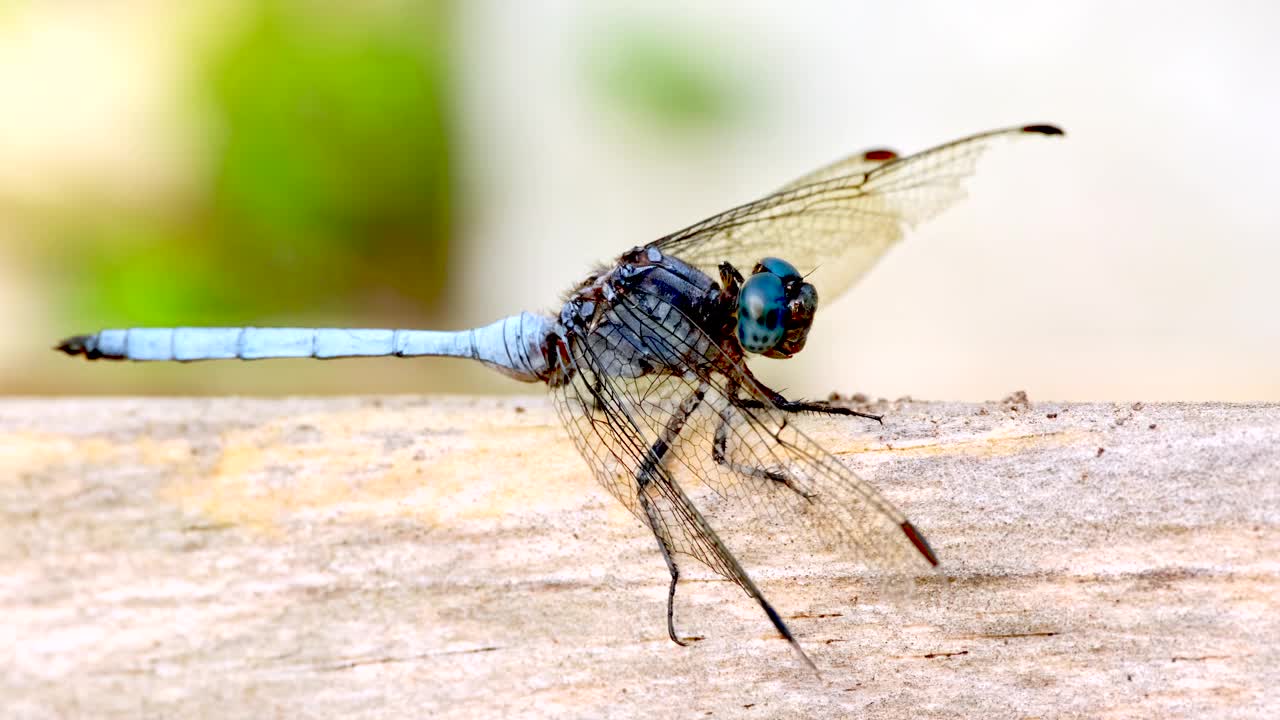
(931, 656)
(1017, 401)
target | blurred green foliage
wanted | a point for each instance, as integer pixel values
(668, 78)
(329, 188)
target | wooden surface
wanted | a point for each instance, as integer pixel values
(446, 557)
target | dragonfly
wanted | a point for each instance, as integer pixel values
(647, 361)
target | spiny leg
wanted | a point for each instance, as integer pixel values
(791, 406)
(819, 406)
(802, 406)
(654, 524)
(646, 476)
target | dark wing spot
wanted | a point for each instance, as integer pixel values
(919, 542)
(879, 154)
(1043, 129)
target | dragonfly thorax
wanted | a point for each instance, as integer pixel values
(775, 310)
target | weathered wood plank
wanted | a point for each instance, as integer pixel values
(451, 557)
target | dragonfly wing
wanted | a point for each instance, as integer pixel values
(839, 220)
(716, 428)
(855, 164)
(616, 424)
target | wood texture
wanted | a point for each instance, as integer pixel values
(446, 557)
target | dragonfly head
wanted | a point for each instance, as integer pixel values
(775, 310)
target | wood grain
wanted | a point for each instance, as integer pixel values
(450, 557)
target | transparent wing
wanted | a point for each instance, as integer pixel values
(855, 164)
(839, 220)
(659, 434)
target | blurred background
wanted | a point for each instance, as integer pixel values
(440, 163)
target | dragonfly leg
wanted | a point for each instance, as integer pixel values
(792, 406)
(654, 525)
(648, 477)
(822, 406)
(720, 452)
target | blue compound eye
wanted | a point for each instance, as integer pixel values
(781, 268)
(761, 304)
